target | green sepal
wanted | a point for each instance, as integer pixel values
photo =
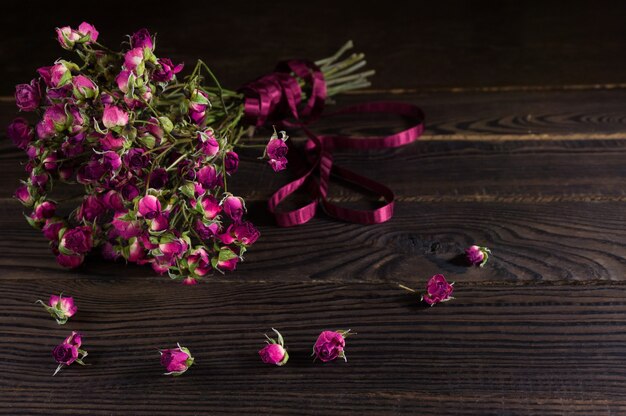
(284, 360)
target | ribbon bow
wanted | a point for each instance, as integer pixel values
(276, 97)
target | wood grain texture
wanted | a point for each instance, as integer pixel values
(532, 243)
(524, 152)
(494, 350)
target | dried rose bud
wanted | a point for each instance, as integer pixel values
(114, 116)
(274, 352)
(438, 290)
(69, 352)
(28, 96)
(60, 308)
(477, 255)
(234, 207)
(176, 361)
(330, 345)
(276, 151)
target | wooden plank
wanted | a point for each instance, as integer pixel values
(532, 243)
(496, 349)
(570, 154)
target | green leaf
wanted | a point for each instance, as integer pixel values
(226, 255)
(148, 141)
(188, 189)
(166, 123)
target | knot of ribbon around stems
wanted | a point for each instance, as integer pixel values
(278, 98)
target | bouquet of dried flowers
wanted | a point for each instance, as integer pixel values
(150, 151)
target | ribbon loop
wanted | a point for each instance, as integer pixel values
(278, 96)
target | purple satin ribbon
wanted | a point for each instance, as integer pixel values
(274, 98)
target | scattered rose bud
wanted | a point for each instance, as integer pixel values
(477, 255)
(60, 308)
(276, 151)
(330, 345)
(176, 361)
(438, 290)
(274, 352)
(69, 352)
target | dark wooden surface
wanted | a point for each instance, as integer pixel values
(524, 152)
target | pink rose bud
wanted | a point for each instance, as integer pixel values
(70, 261)
(209, 206)
(166, 70)
(44, 210)
(111, 142)
(274, 352)
(88, 33)
(176, 361)
(246, 233)
(208, 177)
(69, 351)
(173, 247)
(207, 143)
(199, 101)
(24, 195)
(111, 161)
(438, 290)
(234, 207)
(330, 345)
(199, 262)
(206, 231)
(20, 133)
(91, 209)
(52, 227)
(198, 104)
(477, 255)
(67, 37)
(149, 207)
(133, 60)
(278, 164)
(60, 308)
(159, 223)
(56, 116)
(141, 39)
(60, 75)
(28, 96)
(125, 80)
(226, 260)
(113, 200)
(276, 151)
(231, 162)
(76, 241)
(84, 88)
(114, 116)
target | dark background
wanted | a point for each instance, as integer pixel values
(411, 44)
(523, 151)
